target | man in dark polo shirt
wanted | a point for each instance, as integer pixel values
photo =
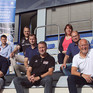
(39, 72)
(71, 51)
(22, 46)
(3, 70)
(30, 52)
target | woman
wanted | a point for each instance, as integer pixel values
(64, 43)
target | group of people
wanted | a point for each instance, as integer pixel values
(75, 56)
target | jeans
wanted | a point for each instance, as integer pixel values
(67, 70)
(21, 82)
(76, 80)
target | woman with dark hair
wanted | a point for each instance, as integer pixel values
(64, 43)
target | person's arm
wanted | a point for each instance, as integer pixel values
(74, 70)
(29, 70)
(60, 45)
(65, 61)
(15, 50)
(66, 57)
(49, 72)
(26, 62)
(1, 74)
(9, 51)
(86, 77)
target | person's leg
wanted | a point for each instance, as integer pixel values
(19, 69)
(19, 58)
(60, 58)
(47, 83)
(67, 70)
(16, 58)
(1, 83)
(73, 81)
(20, 83)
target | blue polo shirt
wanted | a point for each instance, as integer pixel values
(72, 49)
(31, 52)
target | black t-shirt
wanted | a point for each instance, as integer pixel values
(24, 44)
(41, 65)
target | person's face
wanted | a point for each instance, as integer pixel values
(3, 40)
(68, 30)
(26, 32)
(83, 46)
(42, 49)
(32, 40)
(75, 36)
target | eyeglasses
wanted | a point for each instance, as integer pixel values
(74, 36)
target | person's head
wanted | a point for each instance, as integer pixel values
(3, 39)
(26, 31)
(42, 47)
(83, 45)
(68, 29)
(75, 36)
(32, 39)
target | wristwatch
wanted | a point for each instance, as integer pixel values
(81, 74)
(40, 77)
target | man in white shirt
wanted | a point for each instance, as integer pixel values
(84, 62)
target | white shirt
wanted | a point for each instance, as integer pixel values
(85, 65)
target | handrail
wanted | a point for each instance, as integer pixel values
(35, 31)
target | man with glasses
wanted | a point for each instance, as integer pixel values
(71, 51)
(84, 62)
(22, 47)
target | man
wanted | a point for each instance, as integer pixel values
(5, 49)
(39, 72)
(71, 51)
(30, 52)
(84, 62)
(22, 46)
(3, 70)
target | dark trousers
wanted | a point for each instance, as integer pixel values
(21, 82)
(60, 58)
(76, 80)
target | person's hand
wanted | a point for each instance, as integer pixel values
(64, 52)
(63, 65)
(12, 55)
(33, 78)
(29, 78)
(36, 78)
(87, 78)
